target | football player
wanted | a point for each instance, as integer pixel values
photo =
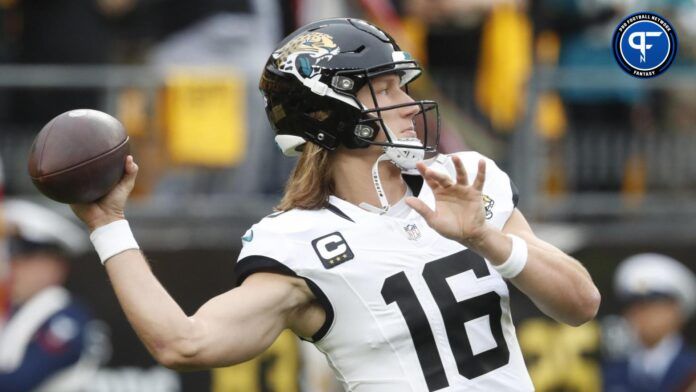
(393, 265)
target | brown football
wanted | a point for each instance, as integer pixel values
(79, 156)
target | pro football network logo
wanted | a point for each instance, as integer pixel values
(645, 44)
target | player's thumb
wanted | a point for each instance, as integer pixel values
(131, 172)
(124, 187)
(420, 207)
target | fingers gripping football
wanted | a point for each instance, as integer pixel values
(110, 207)
(459, 211)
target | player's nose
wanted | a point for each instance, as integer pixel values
(410, 111)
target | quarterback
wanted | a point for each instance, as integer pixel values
(392, 259)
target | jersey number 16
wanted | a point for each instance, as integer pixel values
(397, 288)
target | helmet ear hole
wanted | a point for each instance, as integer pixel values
(320, 115)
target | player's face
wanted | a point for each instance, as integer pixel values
(388, 92)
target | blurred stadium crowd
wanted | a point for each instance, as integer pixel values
(605, 163)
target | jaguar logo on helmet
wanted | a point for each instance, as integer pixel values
(305, 51)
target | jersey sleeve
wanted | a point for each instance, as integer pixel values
(500, 195)
(263, 250)
(266, 248)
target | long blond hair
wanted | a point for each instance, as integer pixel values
(311, 181)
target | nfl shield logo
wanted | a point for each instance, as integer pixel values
(412, 231)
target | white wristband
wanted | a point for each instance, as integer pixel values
(112, 239)
(517, 260)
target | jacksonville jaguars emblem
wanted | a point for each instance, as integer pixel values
(488, 206)
(301, 55)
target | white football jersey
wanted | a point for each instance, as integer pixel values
(406, 309)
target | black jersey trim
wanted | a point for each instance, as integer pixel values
(415, 182)
(515, 194)
(328, 309)
(252, 264)
(338, 212)
(275, 214)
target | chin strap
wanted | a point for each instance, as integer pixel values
(378, 187)
(404, 158)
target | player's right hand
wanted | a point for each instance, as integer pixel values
(111, 207)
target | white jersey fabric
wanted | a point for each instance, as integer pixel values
(407, 309)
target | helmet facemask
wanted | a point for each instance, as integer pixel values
(404, 152)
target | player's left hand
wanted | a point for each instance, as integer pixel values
(459, 211)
